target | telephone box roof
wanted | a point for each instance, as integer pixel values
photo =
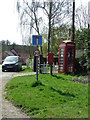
(67, 41)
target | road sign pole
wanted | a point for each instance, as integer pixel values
(37, 41)
(37, 67)
(37, 64)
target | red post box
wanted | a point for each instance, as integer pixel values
(66, 58)
(50, 58)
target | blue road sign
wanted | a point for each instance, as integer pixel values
(37, 40)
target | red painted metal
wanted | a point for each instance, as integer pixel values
(50, 58)
(66, 58)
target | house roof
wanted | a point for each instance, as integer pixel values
(9, 53)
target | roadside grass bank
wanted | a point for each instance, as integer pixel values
(50, 97)
(25, 69)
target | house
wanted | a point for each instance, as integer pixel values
(21, 50)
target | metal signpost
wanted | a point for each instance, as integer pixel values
(37, 41)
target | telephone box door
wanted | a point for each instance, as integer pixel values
(70, 59)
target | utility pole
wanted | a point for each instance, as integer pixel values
(73, 20)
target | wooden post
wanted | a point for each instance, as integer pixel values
(73, 20)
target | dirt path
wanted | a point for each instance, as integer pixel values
(8, 110)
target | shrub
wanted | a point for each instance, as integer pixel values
(80, 65)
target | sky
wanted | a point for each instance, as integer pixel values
(9, 22)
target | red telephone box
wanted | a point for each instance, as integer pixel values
(66, 58)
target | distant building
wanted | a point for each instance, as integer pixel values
(21, 50)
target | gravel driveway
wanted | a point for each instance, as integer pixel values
(7, 110)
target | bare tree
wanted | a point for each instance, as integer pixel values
(28, 16)
(57, 10)
(81, 17)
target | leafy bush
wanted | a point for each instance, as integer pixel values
(81, 65)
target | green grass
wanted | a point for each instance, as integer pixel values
(51, 97)
(25, 69)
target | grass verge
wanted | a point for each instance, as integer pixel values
(50, 97)
(25, 69)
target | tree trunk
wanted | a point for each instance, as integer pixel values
(49, 31)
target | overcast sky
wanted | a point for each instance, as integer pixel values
(9, 24)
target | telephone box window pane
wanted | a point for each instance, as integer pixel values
(61, 52)
(61, 68)
(61, 55)
(61, 65)
(70, 56)
(61, 62)
(62, 49)
(61, 58)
